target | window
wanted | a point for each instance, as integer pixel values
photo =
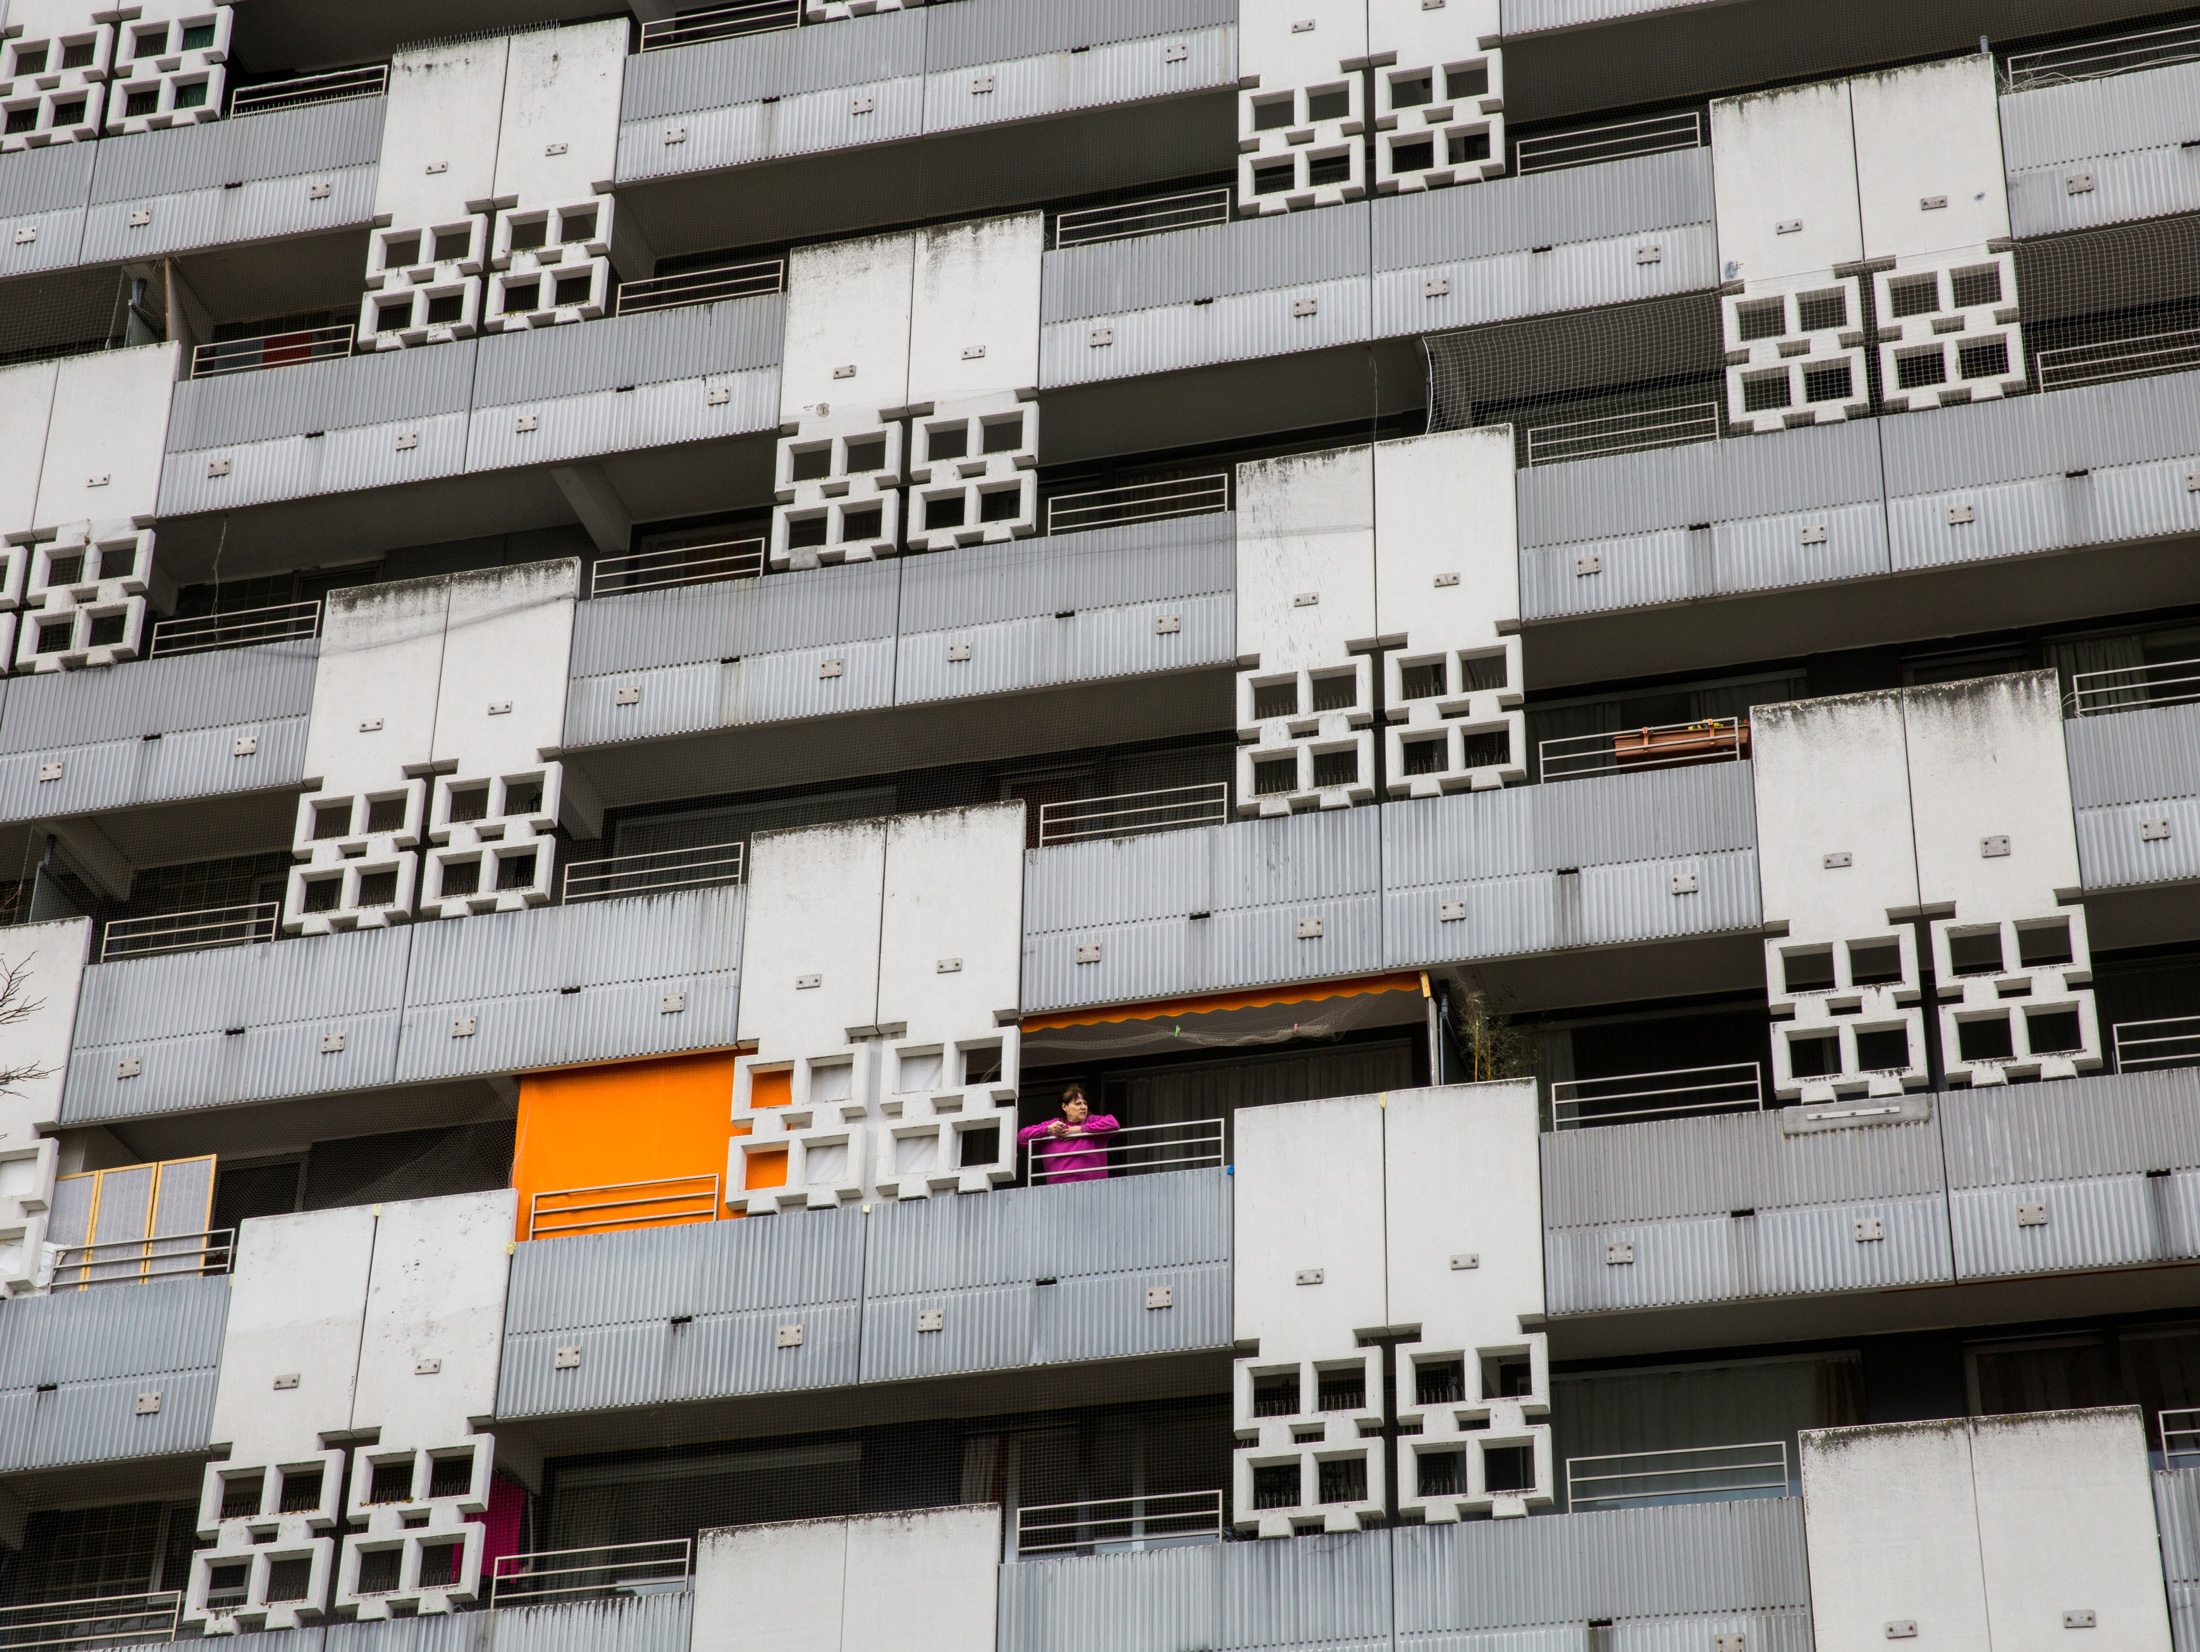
(447, 310)
(1885, 1050)
(1275, 777)
(1975, 288)
(1276, 1486)
(1488, 749)
(1421, 682)
(1914, 295)
(1766, 392)
(1765, 318)
(1328, 103)
(1336, 768)
(1807, 969)
(1276, 1396)
(528, 234)
(1333, 168)
(1985, 1040)
(1471, 146)
(1441, 1473)
(1823, 312)
(1920, 368)
(1413, 90)
(452, 245)
(1344, 1482)
(1467, 80)
(1341, 1390)
(2044, 945)
(1439, 1382)
(1832, 382)
(2053, 1032)
(1340, 691)
(1273, 178)
(1275, 700)
(1987, 359)
(1414, 155)
(1975, 951)
(1875, 963)
(1426, 756)
(1273, 114)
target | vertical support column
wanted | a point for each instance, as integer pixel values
(41, 972)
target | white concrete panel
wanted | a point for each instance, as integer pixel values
(924, 1582)
(1309, 1182)
(105, 436)
(1306, 529)
(26, 401)
(1785, 185)
(1986, 761)
(560, 136)
(1892, 1531)
(847, 308)
(439, 139)
(1463, 1178)
(976, 288)
(1929, 166)
(813, 911)
(374, 685)
(49, 961)
(775, 1588)
(954, 895)
(434, 1317)
(1444, 508)
(1273, 51)
(500, 703)
(1833, 780)
(2066, 1523)
(1418, 34)
(297, 1305)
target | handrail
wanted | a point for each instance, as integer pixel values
(696, 1202)
(1132, 814)
(268, 351)
(720, 23)
(1145, 1519)
(2155, 1050)
(710, 286)
(509, 1572)
(215, 926)
(2108, 360)
(655, 871)
(123, 1623)
(240, 628)
(1138, 502)
(1629, 1485)
(2099, 687)
(1653, 746)
(1620, 140)
(676, 565)
(1739, 1088)
(2187, 1429)
(1617, 433)
(205, 1253)
(2094, 59)
(332, 87)
(1200, 1146)
(1123, 219)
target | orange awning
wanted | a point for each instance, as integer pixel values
(1275, 1015)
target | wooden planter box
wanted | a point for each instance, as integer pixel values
(1674, 747)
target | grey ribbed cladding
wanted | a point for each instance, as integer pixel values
(2120, 134)
(785, 64)
(2134, 756)
(362, 390)
(283, 143)
(1190, 556)
(160, 696)
(50, 179)
(1247, 255)
(994, 31)
(705, 623)
(1583, 203)
(2045, 435)
(695, 341)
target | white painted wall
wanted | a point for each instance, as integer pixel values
(297, 1304)
(1444, 505)
(975, 286)
(1892, 1533)
(1986, 759)
(105, 436)
(848, 305)
(52, 957)
(26, 402)
(1833, 777)
(436, 1293)
(813, 909)
(1309, 1183)
(1269, 48)
(1928, 132)
(1306, 524)
(508, 635)
(1420, 34)
(1782, 156)
(1463, 1175)
(776, 1588)
(381, 661)
(561, 91)
(444, 112)
(954, 888)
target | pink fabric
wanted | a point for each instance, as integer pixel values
(500, 1537)
(1075, 1158)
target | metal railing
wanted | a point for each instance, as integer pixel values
(703, 867)
(1124, 219)
(677, 565)
(1120, 1522)
(1133, 814)
(2122, 687)
(2119, 358)
(99, 1620)
(271, 350)
(1138, 502)
(626, 1569)
(657, 1204)
(200, 931)
(2180, 1432)
(721, 23)
(1190, 1144)
(1616, 433)
(140, 1261)
(333, 87)
(1662, 746)
(1652, 135)
(2092, 59)
(1668, 1476)
(243, 628)
(711, 286)
(1678, 1092)
(2142, 1046)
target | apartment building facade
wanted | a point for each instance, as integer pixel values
(1550, 647)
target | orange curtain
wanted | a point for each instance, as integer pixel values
(587, 1135)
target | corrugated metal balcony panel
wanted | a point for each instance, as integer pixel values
(1610, 819)
(596, 943)
(1635, 902)
(2044, 513)
(656, 346)
(159, 696)
(919, 1245)
(1119, 880)
(1097, 645)
(263, 209)
(616, 421)
(1545, 1637)
(1523, 17)
(1240, 327)
(982, 1328)
(284, 143)
(1576, 275)
(1582, 203)
(1140, 961)
(2107, 1125)
(291, 980)
(619, 1021)
(2136, 184)
(1778, 1631)
(2177, 1518)
(1666, 1168)
(440, 1632)
(1505, 917)
(97, 1422)
(1033, 87)
(2046, 435)
(739, 1353)
(694, 624)
(56, 234)
(302, 466)
(2115, 1221)
(1123, 1225)
(646, 1623)
(53, 178)
(112, 1331)
(209, 1069)
(1105, 1316)
(2092, 125)
(1260, 946)
(118, 773)
(1316, 1590)
(993, 31)
(362, 391)
(1109, 567)
(1625, 1563)
(621, 1365)
(1672, 565)
(742, 134)
(760, 688)
(2142, 755)
(1161, 1600)
(17, 1408)
(2115, 856)
(686, 79)
(1319, 854)
(1294, 250)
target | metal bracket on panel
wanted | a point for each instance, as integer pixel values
(928, 1319)
(143, 216)
(48, 771)
(958, 653)
(1814, 534)
(949, 966)
(828, 668)
(1684, 883)
(1993, 848)
(1620, 1253)
(1160, 1296)
(1099, 337)
(1088, 953)
(1839, 860)
(525, 423)
(1652, 254)
(1870, 1228)
(148, 1404)
(332, 1043)
(718, 395)
(1309, 1276)
(1958, 515)
(2080, 1619)
(129, 1066)
(676, 134)
(25, 235)
(1932, 203)
(672, 1003)
(1901, 1629)
(980, 85)
(1310, 929)
(1451, 912)
(1168, 625)
(803, 983)
(1445, 582)
(1465, 1260)
(1733, 1642)
(2153, 831)
(286, 1382)
(1586, 565)
(216, 467)
(2031, 1213)
(631, 695)
(427, 1367)
(245, 745)
(464, 1026)
(1436, 286)
(566, 1359)
(1301, 308)
(790, 1336)
(1307, 599)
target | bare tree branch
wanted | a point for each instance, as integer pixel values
(17, 1006)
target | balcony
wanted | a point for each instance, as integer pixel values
(2135, 779)
(2093, 133)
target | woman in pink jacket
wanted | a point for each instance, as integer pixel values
(1074, 1148)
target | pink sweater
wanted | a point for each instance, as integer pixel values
(1073, 1158)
